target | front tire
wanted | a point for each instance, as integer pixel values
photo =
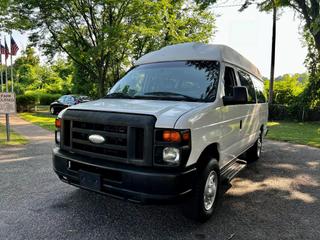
(206, 193)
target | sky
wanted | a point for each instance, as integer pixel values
(249, 33)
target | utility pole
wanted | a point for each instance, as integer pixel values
(273, 50)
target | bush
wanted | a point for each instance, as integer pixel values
(26, 103)
(46, 98)
(296, 112)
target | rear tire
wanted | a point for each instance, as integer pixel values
(253, 154)
(205, 194)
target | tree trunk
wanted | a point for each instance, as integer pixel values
(317, 41)
(273, 50)
(102, 79)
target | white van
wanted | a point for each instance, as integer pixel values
(173, 126)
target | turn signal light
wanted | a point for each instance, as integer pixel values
(171, 136)
(58, 123)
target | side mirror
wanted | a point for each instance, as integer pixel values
(240, 96)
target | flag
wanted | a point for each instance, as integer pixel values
(14, 47)
(6, 50)
(2, 49)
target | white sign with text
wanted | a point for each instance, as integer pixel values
(7, 102)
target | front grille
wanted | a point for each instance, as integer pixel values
(128, 138)
(115, 144)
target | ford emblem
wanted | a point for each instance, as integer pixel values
(95, 138)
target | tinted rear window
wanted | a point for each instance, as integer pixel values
(246, 81)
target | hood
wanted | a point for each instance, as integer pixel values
(166, 112)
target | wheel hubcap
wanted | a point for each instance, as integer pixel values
(210, 190)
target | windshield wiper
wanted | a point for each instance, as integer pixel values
(156, 95)
(172, 95)
(118, 95)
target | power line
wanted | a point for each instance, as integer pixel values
(230, 5)
(227, 6)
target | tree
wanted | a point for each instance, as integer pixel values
(28, 57)
(311, 94)
(309, 11)
(103, 37)
(288, 88)
(31, 76)
(4, 5)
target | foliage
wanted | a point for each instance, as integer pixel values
(28, 57)
(102, 38)
(43, 120)
(312, 92)
(295, 132)
(31, 76)
(296, 111)
(288, 88)
(309, 11)
(81, 83)
(26, 103)
(47, 99)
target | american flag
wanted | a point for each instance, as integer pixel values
(2, 49)
(6, 50)
(14, 47)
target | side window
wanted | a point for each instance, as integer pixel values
(246, 81)
(62, 99)
(229, 81)
(259, 86)
(72, 99)
(69, 100)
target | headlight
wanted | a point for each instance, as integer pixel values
(58, 137)
(172, 147)
(171, 155)
(57, 132)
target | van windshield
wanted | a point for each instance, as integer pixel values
(180, 80)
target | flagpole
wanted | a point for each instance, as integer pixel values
(11, 63)
(7, 90)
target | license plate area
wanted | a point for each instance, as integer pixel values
(90, 180)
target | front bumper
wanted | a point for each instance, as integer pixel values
(134, 183)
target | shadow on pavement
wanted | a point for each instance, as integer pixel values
(277, 197)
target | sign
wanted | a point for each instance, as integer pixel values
(7, 103)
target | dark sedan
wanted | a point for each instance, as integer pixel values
(66, 101)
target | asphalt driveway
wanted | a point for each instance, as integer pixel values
(275, 198)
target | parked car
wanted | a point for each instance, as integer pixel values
(172, 127)
(66, 101)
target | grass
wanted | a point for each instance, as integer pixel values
(15, 138)
(307, 133)
(42, 119)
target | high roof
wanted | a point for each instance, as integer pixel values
(199, 51)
